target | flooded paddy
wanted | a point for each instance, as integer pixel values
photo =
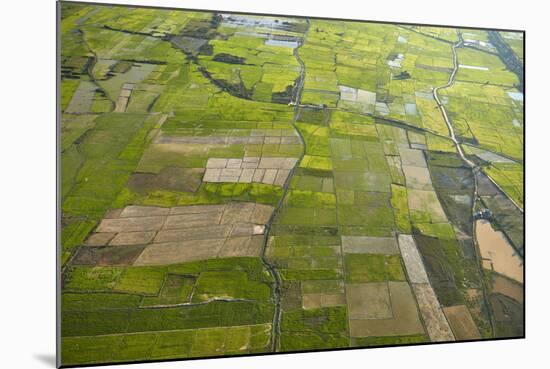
(475, 67)
(517, 96)
(497, 251)
(283, 43)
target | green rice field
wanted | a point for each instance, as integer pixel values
(236, 184)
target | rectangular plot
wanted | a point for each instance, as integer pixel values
(348, 93)
(82, 99)
(192, 220)
(282, 175)
(110, 255)
(131, 224)
(394, 167)
(241, 246)
(133, 211)
(187, 233)
(362, 268)
(237, 212)
(323, 286)
(261, 214)
(271, 163)
(427, 201)
(216, 163)
(132, 238)
(231, 172)
(462, 324)
(418, 177)
(258, 175)
(369, 245)
(436, 324)
(170, 235)
(121, 103)
(366, 97)
(328, 185)
(362, 181)
(212, 175)
(405, 319)
(341, 148)
(321, 300)
(412, 157)
(196, 209)
(369, 217)
(179, 252)
(99, 239)
(246, 176)
(369, 301)
(269, 176)
(412, 259)
(234, 163)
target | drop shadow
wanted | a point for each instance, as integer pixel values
(48, 359)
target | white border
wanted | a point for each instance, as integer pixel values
(28, 162)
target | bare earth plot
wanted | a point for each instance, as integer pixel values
(376, 317)
(266, 170)
(180, 234)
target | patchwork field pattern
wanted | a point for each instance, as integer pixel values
(240, 184)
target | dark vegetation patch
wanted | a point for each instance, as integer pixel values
(203, 28)
(73, 232)
(189, 45)
(314, 116)
(508, 57)
(206, 50)
(193, 39)
(234, 89)
(170, 178)
(228, 58)
(466, 139)
(468, 248)
(109, 255)
(129, 32)
(121, 66)
(454, 184)
(298, 27)
(300, 171)
(442, 267)
(74, 67)
(213, 314)
(291, 295)
(284, 97)
(508, 315)
(403, 75)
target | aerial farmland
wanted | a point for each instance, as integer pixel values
(238, 184)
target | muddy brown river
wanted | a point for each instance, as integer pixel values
(497, 252)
